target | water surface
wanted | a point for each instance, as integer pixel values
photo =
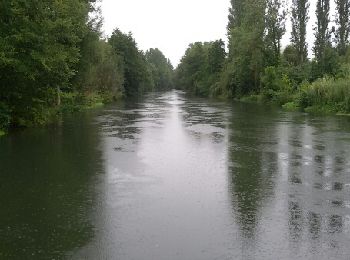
(172, 177)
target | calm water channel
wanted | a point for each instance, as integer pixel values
(170, 177)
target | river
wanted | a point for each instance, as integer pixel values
(173, 177)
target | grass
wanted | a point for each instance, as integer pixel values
(327, 96)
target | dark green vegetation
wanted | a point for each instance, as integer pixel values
(257, 68)
(200, 68)
(53, 58)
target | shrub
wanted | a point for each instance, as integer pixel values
(331, 94)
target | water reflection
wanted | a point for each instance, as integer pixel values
(252, 167)
(288, 174)
(46, 178)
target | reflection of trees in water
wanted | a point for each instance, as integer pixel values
(46, 193)
(317, 172)
(253, 163)
(315, 163)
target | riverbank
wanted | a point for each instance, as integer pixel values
(71, 102)
(326, 96)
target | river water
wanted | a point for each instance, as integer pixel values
(172, 177)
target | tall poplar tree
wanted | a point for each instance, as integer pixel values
(343, 23)
(235, 18)
(300, 17)
(322, 33)
(275, 29)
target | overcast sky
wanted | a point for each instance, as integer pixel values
(171, 25)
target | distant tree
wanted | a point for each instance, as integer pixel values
(290, 55)
(162, 70)
(137, 74)
(216, 56)
(201, 66)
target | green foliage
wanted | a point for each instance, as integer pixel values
(329, 94)
(52, 59)
(322, 34)
(246, 48)
(342, 20)
(76, 101)
(200, 68)
(329, 64)
(300, 17)
(38, 52)
(100, 68)
(275, 22)
(291, 106)
(161, 69)
(255, 70)
(277, 87)
(136, 72)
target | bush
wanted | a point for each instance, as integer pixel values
(277, 87)
(331, 94)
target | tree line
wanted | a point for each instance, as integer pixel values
(256, 67)
(53, 58)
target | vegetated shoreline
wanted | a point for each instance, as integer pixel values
(73, 102)
(326, 96)
(255, 67)
(78, 102)
(292, 107)
(56, 60)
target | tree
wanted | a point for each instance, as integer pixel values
(235, 18)
(300, 9)
(322, 33)
(275, 29)
(161, 68)
(246, 41)
(38, 53)
(343, 23)
(216, 56)
(200, 69)
(99, 69)
(137, 74)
